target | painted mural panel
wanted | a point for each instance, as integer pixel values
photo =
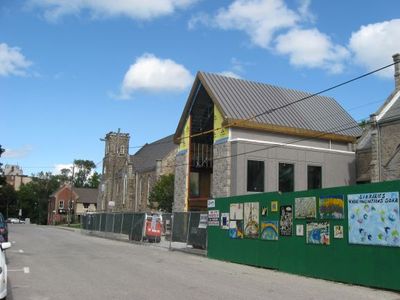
(318, 233)
(286, 220)
(269, 230)
(305, 207)
(374, 219)
(236, 211)
(236, 229)
(331, 207)
(185, 138)
(251, 219)
(221, 133)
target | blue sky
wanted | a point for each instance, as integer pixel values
(73, 70)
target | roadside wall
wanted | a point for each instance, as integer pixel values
(369, 265)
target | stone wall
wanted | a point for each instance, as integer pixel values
(390, 141)
(221, 177)
(180, 187)
(363, 160)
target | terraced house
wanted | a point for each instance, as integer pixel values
(237, 137)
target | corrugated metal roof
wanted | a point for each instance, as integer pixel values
(145, 159)
(242, 100)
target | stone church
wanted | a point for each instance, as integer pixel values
(127, 180)
(378, 149)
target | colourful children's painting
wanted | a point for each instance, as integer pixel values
(251, 219)
(236, 229)
(286, 220)
(305, 208)
(374, 219)
(318, 233)
(269, 230)
(331, 207)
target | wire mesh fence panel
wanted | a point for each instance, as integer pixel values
(167, 226)
(103, 219)
(127, 223)
(197, 237)
(89, 219)
(137, 227)
(84, 222)
(180, 227)
(117, 222)
(96, 222)
(109, 222)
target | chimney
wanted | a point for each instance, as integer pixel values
(396, 60)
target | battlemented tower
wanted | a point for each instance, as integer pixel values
(113, 188)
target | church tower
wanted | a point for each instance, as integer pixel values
(112, 196)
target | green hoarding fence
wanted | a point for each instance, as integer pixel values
(362, 264)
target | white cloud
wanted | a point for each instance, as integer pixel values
(59, 167)
(12, 61)
(313, 49)
(373, 45)
(22, 152)
(230, 74)
(135, 9)
(305, 12)
(260, 19)
(150, 73)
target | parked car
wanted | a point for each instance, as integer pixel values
(3, 269)
(3, 229)
(13, 220)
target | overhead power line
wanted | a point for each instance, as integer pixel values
(268, 111)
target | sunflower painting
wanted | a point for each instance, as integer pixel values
(331, 207)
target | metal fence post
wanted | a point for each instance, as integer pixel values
(188, 229)
(172, 231)
(113, 224)
(122, 223)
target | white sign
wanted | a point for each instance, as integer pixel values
(213, 218)
(203, 221)
(211, 203)
(111, 203)
(374, 219)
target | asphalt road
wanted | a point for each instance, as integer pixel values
(48, 263)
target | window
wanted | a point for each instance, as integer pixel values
(122, 149)
(314, 177)
(86, 205)
(286, 177)
(61, 204)
(255, 176)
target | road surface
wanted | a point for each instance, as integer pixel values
(49, 263)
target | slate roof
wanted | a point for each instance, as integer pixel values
(393, 112)
(87, 195)
(240, 99)
(145, 159)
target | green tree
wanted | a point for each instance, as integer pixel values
(8, 197)
(83, 170)
(8, 200)
(33, 196)
(163, 193)
(94, 181)
(2, 177)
